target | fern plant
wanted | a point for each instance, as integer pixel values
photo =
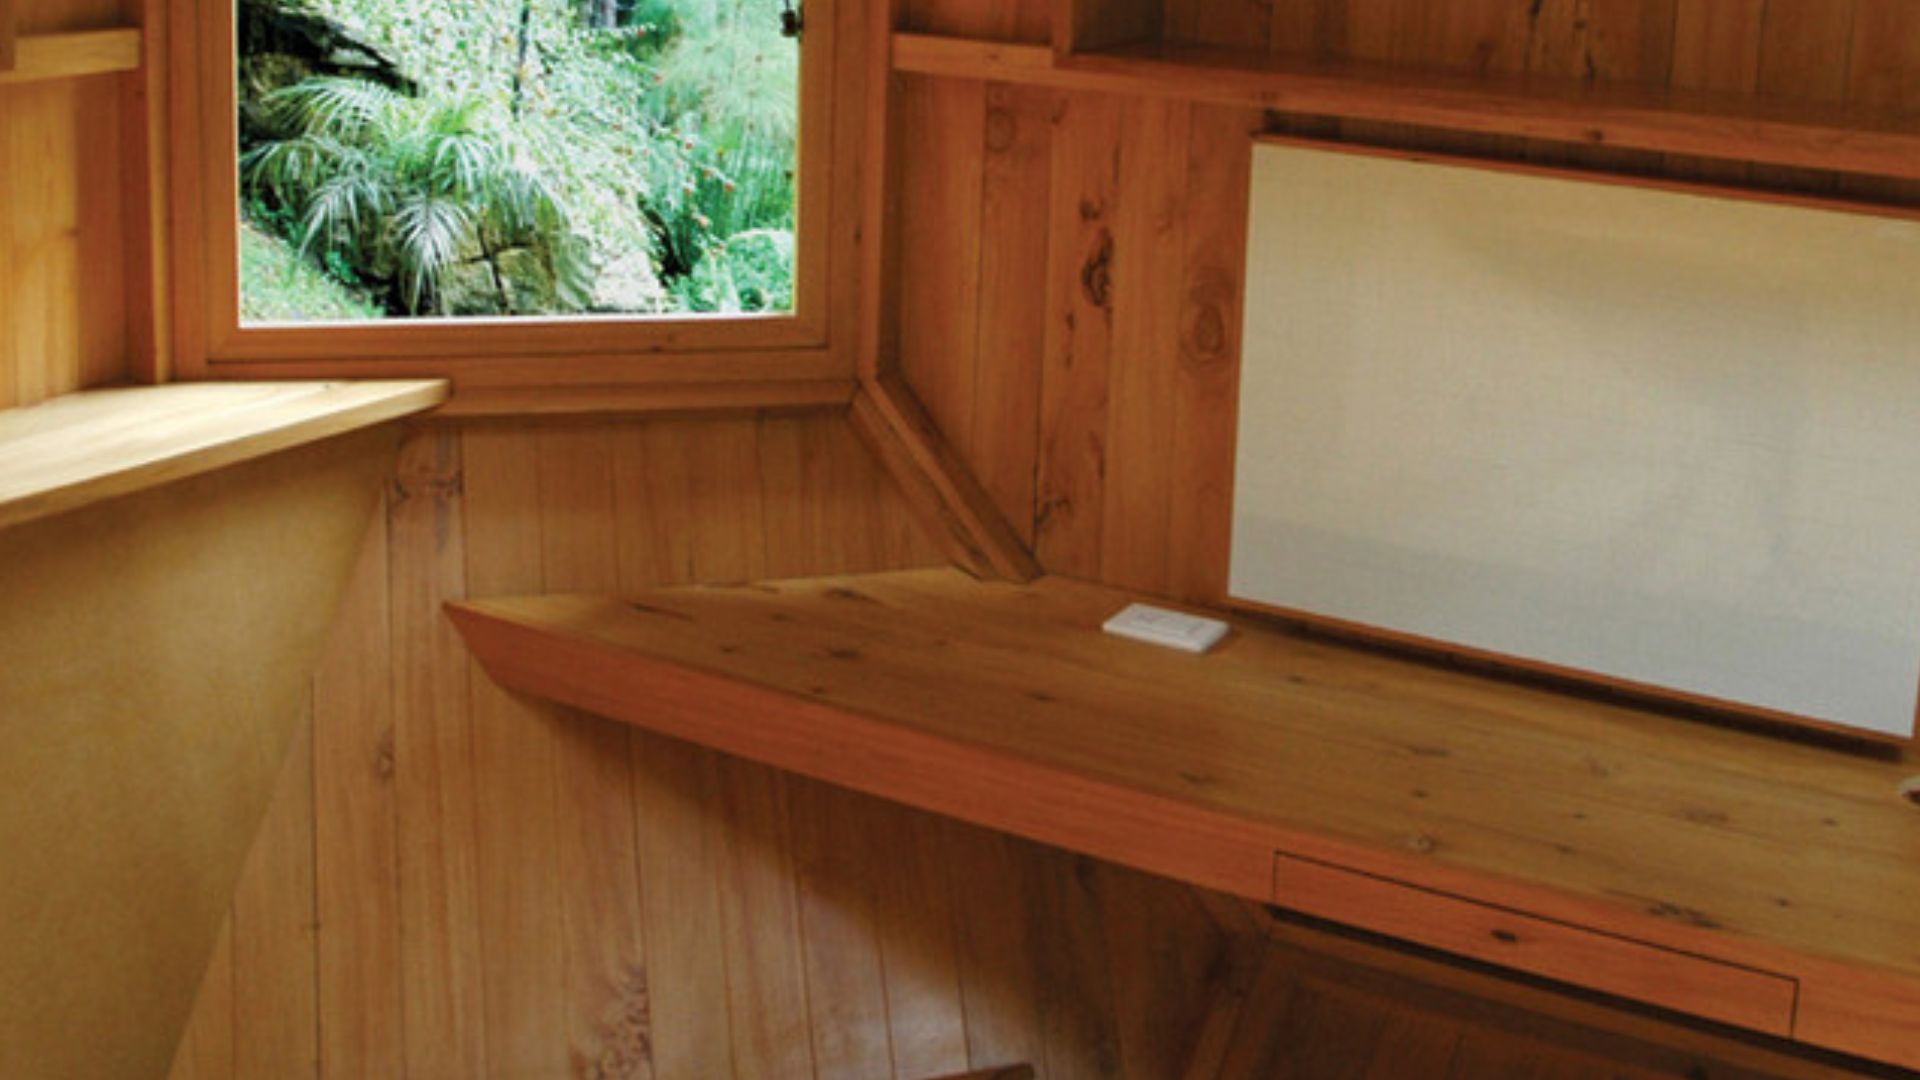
(407, 191)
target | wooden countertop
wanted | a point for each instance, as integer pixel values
(81, 448)
(1006, 706)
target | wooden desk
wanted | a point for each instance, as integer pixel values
(1727, 875)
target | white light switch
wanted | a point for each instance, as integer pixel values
(1172, 629)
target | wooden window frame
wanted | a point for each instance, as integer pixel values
(209, 341)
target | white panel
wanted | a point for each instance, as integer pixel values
(1651, 435)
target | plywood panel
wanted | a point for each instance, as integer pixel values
(140, 736)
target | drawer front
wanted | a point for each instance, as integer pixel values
(1749, 998)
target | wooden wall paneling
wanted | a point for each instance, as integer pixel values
(826, 505)
(206, 1046)
(720, 468)
(435, 806)
(653, 503)
(805, 527)
(9, 33)
(1027, 21)
(1086, 25)
(1079, 337)
(1598, 41)
(691, 1024)
(1079, 1029)
(60, 216)
(96, 240)
(525, 1010)
(1149, 251)
(1716, 46)
(356, 873)
(11, 356)
(1252, 25)
(839, 938)
(1011, 339)
(987, 872)
(1482, 36)
(760, 924)
(915, 908)
(1884, 71)
(1803, 55)
(939, 291)
(273, 955)
(1317, 28)
(604, 948)
(871, 505)
(688, 509)
(1167, 958)
(1207, 383)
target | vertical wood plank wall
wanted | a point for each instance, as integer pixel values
(456, 883)
(1070, 282)
(62, 300)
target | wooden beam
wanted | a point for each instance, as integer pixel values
(144, 168)
(937, 484)
(1844, 138)
(38, 57)
(649, 399)
(880, 168)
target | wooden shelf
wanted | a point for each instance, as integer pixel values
(39, 57)
(82, 448)
(1726, 874)
(1846, 139)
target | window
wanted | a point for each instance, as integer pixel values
(504, 178)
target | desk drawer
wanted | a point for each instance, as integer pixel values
(1758, 1000)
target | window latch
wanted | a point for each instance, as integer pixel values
(790, 21)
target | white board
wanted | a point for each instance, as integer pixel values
(1650, 435)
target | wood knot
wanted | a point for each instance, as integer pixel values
(1207, 334)
(1000, 131)
(1096, 274)
(1910, 791)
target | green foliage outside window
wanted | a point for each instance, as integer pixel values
(528, 156)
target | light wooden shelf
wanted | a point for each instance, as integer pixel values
(40, 57)
(1843, 138)
(1730, 875)
(85, 447)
